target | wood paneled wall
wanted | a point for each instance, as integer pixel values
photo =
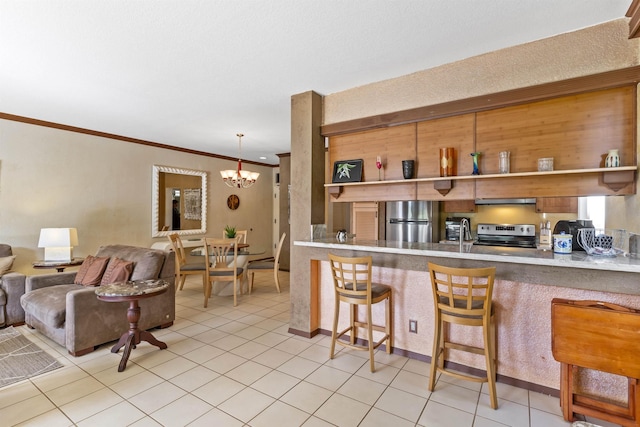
(576, 130)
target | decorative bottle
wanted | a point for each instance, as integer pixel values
(476, 170)
(613, 159)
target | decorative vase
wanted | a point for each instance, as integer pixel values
(407, 168)
(446, 161)
(613, 159)
(504, 165)
(475, 156)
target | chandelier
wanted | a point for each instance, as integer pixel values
(239, 178)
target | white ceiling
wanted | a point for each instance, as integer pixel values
(193, 73)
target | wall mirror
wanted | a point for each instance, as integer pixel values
(179, 201)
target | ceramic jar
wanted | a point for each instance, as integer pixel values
(407, 169)
(562, 243)
(613, 159)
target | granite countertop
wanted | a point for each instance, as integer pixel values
(576, 259)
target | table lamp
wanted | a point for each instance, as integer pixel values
(58, 243)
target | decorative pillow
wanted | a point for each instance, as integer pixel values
(118, 270)
(91, 271)
(6, 263)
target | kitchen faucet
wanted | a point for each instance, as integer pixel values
(465, 229)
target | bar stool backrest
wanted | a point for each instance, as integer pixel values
(465, 293)
(349, 271)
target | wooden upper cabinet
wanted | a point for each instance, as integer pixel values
(577, 131)
(364, 220)
(459, 206)
(393, 145)
(557, 205)
(457, 132)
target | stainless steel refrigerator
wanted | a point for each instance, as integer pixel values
(413, 221)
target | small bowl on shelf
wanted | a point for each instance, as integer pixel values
(545, 164)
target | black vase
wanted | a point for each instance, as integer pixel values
(407, 168)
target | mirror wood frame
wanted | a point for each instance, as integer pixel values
(155, 206)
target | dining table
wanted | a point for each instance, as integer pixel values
(245, 250)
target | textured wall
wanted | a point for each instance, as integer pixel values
(523, 309)
(522, 318)
(56, 178)
(589, 51)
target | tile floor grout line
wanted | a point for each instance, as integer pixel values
(246, 318)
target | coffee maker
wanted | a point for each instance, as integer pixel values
(572, 227)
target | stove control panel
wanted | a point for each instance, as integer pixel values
(507, 229)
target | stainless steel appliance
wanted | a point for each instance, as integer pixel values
(572, 227)
(412, 221)
(452, 228)
(510, 235)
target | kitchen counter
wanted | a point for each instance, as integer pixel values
(526, 282)
(577, 259)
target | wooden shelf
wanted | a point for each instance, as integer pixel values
(489, 176)
(612, 177)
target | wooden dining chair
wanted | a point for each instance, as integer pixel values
(463, 296)
(223, 265)
(184, 268)
(241, 236)
(267, 265)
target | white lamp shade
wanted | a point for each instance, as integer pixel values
(58, 243)
(58, 237)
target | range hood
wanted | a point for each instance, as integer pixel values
(505, 201)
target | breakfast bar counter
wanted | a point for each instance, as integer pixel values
(534, 265)
(526, 282)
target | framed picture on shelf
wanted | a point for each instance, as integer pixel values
(347, 171)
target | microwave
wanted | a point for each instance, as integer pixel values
(452, 227)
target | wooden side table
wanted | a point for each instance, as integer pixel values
(132, 292)
(600, 336)
(58, 265)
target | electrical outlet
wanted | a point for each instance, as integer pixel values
(413, 326)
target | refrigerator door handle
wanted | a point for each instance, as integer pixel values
(408, 221)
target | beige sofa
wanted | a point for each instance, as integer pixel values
(12, 286)
(72, 315)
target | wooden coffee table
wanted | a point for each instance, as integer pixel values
(132, 292)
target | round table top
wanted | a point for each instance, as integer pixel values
(54, 264)
(131, 289)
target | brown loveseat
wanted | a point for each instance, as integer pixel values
(72, 315)
(11, 289)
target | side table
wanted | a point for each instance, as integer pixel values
(58, 265)
(132, 292)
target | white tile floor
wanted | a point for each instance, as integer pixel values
(229, 366)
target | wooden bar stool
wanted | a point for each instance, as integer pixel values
(349, 271)
(462, 296)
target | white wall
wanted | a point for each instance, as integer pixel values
(56, 178)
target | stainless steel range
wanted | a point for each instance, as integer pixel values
(511, 235)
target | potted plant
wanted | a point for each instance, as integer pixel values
(230, 232)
